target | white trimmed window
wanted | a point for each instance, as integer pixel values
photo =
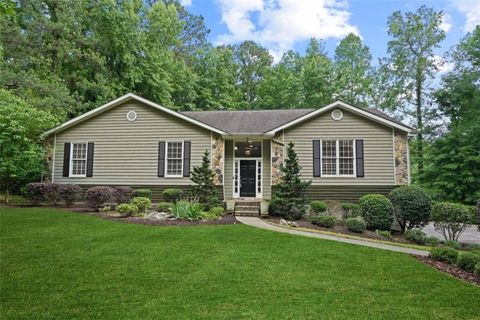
(338, 157)
(78, 160)
(174, 159)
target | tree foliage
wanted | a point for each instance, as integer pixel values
(204, 188)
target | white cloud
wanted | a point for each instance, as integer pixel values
(282, 23)
(471, 10)
(446, 23)
(442, 65)
(185, 3)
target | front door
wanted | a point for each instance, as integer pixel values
(247, 178)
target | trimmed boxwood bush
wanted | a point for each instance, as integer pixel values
(127, 209)
(451, 219)
(377, 211)
(144, 193)
(142, 203)
(52, 194)
(350, 210)
(416, 236)
(412, 206)
(432, 241)
(172, 194)
(124, 194)
(467, 261)
(445, 254)
(35, 192)
(356, 225)
(477, 269)
(318, 206)
(69, 193)
(324, 220)
(97, 196)
(164, 206)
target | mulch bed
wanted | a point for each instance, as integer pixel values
(451, 270)
(227, 219)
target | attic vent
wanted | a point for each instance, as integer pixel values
(337, 114)
(131, 116)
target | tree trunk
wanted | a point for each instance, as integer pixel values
(419, 114)
(7, 196)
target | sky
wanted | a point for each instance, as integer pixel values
(280, 25)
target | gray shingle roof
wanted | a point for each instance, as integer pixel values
(259, 121)
(247, 121)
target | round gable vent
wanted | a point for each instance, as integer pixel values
(131, 116)
(337, 114)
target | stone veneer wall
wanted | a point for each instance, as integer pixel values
(218, 145)
(277, 157)
(401, 158)
(48, 150)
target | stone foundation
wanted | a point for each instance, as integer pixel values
(401, 158)
(48, 150)
(277, 157)
(218, 145)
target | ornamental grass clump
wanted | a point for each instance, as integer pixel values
(187, 210)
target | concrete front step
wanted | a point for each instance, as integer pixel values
(247, 208)
(246, 213)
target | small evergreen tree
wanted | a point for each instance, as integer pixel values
(204, 188)
(289, 199)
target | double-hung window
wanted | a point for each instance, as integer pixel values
(338, 157)
(174, 158)
(78, 160)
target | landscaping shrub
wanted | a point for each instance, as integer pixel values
(356, 225)
(384, 234)
(184, 209)
(213, 214)
(289, 199)
(172, 194)
(432, 241)
(412, 206)
(127, 209)
(35, 192)
(144, 193)
(324, 220)
(350, 210)
(106, 208)
(69, 193)
(478, 214)
(453, 244)
(52, 194)
(164, 206)
(318, 206)
(204, 188)
(142, 203)
(477, 269)
(97, 196)
(124, 194)
(444, 254)
(416, 236)
(467, 261)
(377, 211)
(451, 219)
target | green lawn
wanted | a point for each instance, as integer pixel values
(62, 265)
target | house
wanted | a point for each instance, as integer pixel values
(346, 151)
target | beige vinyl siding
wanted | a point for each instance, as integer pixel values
(126, 153)
(377, 140)
(266, 171)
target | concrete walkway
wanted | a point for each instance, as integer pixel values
(256, 222)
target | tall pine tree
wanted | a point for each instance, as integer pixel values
(204, 188)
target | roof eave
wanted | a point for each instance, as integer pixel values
(348, 107)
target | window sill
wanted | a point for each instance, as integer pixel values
(338, 176)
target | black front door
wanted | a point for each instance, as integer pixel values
(247, 178)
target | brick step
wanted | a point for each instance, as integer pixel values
(247, 203)
(247, 213)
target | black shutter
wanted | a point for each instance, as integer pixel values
(186, 158)
(90, 148)
(161, 159)
(359, 157)
(317, 172)
(66, 159)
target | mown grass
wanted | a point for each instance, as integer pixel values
(63, 265)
